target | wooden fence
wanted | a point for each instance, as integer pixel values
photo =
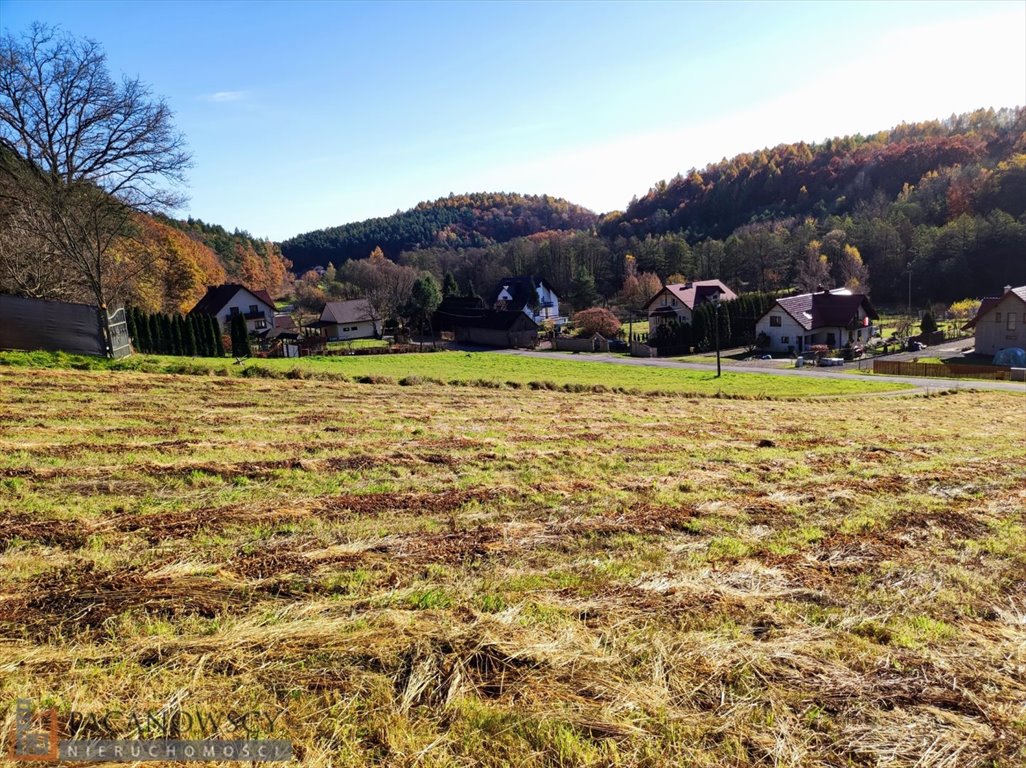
(942, 370)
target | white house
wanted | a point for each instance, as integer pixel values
(1000, 321)
(344, 320)
(676, 302)
(833, 318)
(223, 301)
(532, 295)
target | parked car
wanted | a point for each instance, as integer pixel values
(828, 361)
(915, 346)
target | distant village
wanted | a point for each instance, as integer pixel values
(823, 327)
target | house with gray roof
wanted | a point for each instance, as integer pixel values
(345, 320)
(1000, 322)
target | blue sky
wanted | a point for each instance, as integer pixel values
(304, 115)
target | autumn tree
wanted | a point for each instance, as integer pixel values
(814, 269)
(597, 320)
(82, 153)
(850, 271)
(964, 310)
(386, 285)
(310, 297)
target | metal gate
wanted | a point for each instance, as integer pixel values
(120, 341)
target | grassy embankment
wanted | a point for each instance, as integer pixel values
(479, 369)
(439, 576)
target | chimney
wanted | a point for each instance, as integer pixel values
(1008, 288)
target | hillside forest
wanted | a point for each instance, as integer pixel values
(937, 205)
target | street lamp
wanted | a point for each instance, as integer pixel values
(716, 312)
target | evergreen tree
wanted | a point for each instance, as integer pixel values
(215, 331)
(188, 336)
(156, 334)
(165, 331)
(582, 290)
(927, 324)
(424, 300)
(199, 333)
(175, 334)
(449, 285)
(240, 336)
(142, 327)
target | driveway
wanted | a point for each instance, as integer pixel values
(920, 383)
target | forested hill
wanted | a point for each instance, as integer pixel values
(250, 260)
(954, 159)
(456, 221)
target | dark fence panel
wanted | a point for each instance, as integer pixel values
(32, 324)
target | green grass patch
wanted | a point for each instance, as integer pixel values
(481, 369)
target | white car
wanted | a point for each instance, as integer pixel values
(827, 361)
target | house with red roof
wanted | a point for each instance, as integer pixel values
(831, 318)
(1000, 322)
(223, 301)
(677, 302)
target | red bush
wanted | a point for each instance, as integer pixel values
(597, 320)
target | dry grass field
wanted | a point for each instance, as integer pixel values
(463, 576)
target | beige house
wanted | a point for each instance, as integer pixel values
(1001, 321)
(677, 302)
(345, 320)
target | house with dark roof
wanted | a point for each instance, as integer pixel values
(454, 311)
(1000, 322)
(831, 318)
(505, 328)
(531, 294)
(345, 320)
(223, 301)
(676, 302)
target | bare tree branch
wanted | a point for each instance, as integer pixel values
(82, 152)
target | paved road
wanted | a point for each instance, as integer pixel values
(921, 383)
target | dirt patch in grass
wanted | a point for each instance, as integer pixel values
(439, 502)
(454, 548)
(79, 596)
(23, 527)
(643, 519)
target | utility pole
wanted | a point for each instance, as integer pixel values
(910, 292)
(716, 314)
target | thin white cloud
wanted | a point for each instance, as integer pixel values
(222, 97)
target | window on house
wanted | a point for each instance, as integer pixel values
(261, 324)
(253, 308)
(774, 321)
(1011, 322)
(785, 339)
(234, 310)
(831, 339)
(997, 317)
